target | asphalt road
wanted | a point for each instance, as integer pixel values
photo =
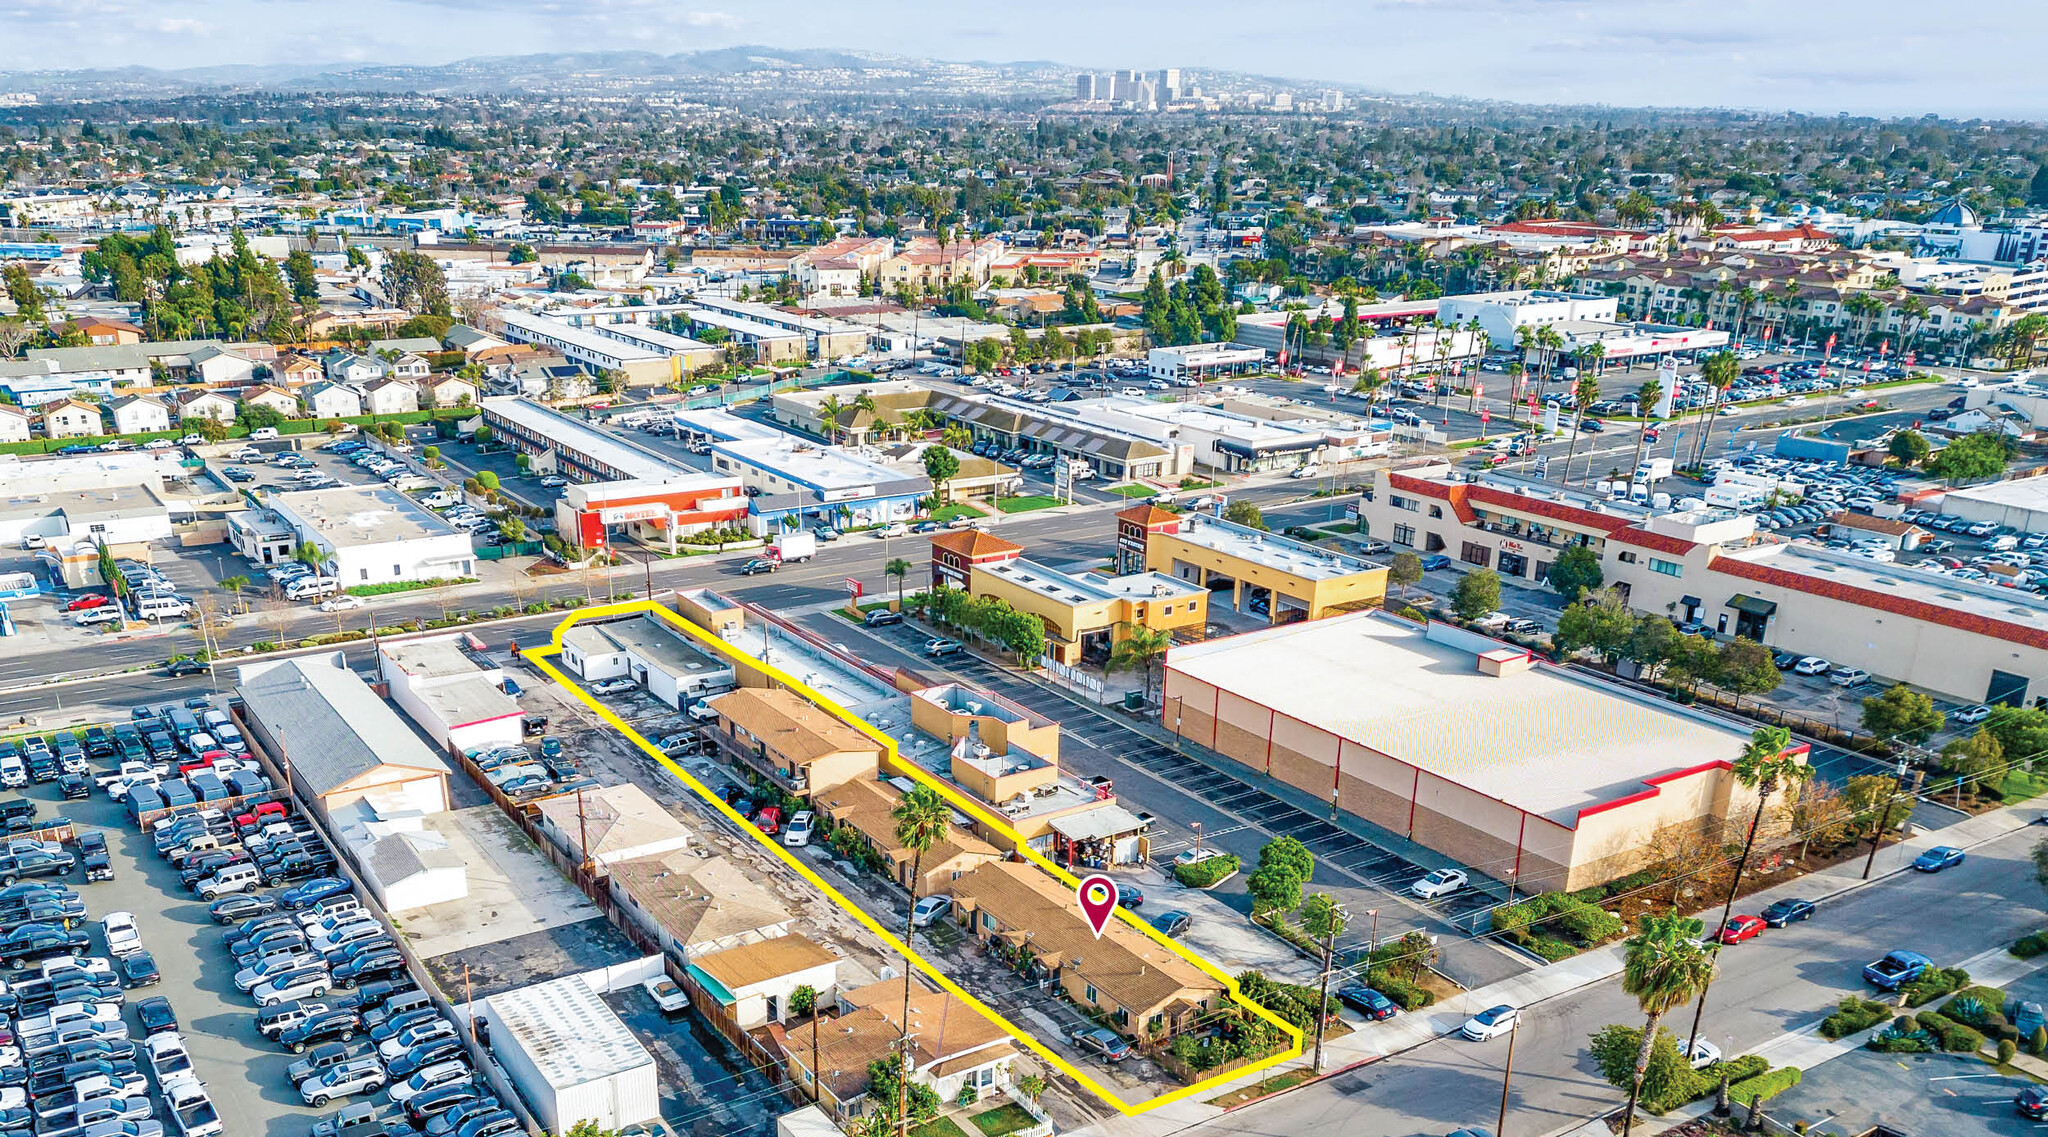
(1778, 982)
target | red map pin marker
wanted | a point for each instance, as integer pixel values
(1097, 895)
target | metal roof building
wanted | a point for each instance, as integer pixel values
(335, 738)
(570, 1056)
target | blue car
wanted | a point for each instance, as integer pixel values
(1938, 858)
(1896, 969)
(311, 892)
(1435, 561)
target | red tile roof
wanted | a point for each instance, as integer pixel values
(1884, 602)
(1147, 515)
(1659, 542)
(1455, 495)
(1543, 507)
(974, 544)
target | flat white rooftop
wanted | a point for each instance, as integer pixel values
(570, 1034)
(1287, 555)
(1964, 597)
(740, 325)
(581, 438)
(523, 325)
(1083, 588)
(725, 426)
(1543, 740)
(823, 468)
(362, 515)
(653, 339)
(2022, 493)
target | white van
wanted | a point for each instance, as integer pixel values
(161, 607)
(308, 587)
(263, 434)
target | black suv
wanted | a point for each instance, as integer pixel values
(92, 845)
(332, 1023)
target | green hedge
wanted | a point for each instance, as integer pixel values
(1206, 873)
(1853, 1014)
(1692, 1085)
(1934, 983)
(1407, 995)
(1530, 923)
(1953, 1036)
(2030, 945)
(389, 587)
(1765, 1086)
(1903, 1036)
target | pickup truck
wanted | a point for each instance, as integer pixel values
(191, 1108)
(1896, 969)
(119, 785)
(168, 1057)
(65, 1014)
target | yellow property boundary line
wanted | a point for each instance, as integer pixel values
(538, 657)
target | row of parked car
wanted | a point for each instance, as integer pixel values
(68, 1064)
(330, 985)
(520, 772)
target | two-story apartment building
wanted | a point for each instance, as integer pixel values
(801, 747)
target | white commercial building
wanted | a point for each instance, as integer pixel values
(2021, 503)
(642, 366)
(1220, 439)
(800, 483)
(413, 869)
(375, 535)
(1203, 361)
(570, 1057)
(458, 701)
(652, 654)
(1501, 313)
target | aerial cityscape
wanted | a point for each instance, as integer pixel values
(677, 573)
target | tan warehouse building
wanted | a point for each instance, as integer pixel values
(1526, 772)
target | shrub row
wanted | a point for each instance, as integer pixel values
(2030, 945)
(1934, 983)
(1853, 1014)
(1692, 1085)
(1205, 874)
(1765, 1086)
(1571, 914)
(1406, 994)
(1952, 1035)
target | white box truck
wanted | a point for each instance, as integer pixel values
(1652, 469)
(792, 547)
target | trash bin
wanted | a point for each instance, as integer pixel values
(1134, 700)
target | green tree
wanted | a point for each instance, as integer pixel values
(1615, 1048)
(1285, 864)
(1601, 623)
(1246, 514)
(803, 1002)
(110, 572)
(1138, 650)
(1404, 570)
(1575, 572)
(2040, 858)
(309, 554)
(2021, 731)
(488, 481)
(897, 568)
(1910, 447)
(298, 268)
(258, 417)
(205, 426)
(1972, 457)
(904, 1103)
(1664, 967)
(21, 289)
(1744, 667)
(1973, 761)
(1653, 643)
(513, 529)
(1902, 713)
(1476, 594)
(941, 465)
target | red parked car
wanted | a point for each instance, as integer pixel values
(89, 600)
(769, 820)
(1740, 928)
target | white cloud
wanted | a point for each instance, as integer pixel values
(725, 20)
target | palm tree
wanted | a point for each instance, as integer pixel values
(1647, 397)
(1137, 651)
(1721, 370)
(829, 409)
(1764, 766)
(1665, 966)
(1583, 393)
(922, 818)
(898, 568)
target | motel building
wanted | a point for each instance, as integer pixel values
(657, 514)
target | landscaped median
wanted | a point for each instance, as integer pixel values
(1670, 1082)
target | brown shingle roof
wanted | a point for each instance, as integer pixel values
(743, 966)
(790, 725)
(974, 543)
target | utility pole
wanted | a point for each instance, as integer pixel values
(1323, 997)
(1500, 1127)
(1884, 822)
(582, 833)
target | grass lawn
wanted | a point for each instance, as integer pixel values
(938, 1127)
(1006, 1118)
(865, 608)
(1027, 503)
(949, 512)
(1134, 491)
(1257, 1090)
(2019, 785)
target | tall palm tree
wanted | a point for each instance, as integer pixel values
(1647, 397)
(1137, 651)
(829, 409)
(898, 568)
(922, 817)
(1763, 767)
(1583, 393)
(1721, 370)
(1666, 964)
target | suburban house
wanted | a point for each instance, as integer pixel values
(100, 332)
(16, 425)
(451, 391)
(1147, 991)
(406, 366)
(693, 905)
(139, 413)
(869, 805)
(276, 398)
(333, 400)
(952, 1046)
(219, 367)
(70, 418)
(296, 370)
(802, 747)
(348, 367)
(390, 397)
(751, 984)
(206, 404)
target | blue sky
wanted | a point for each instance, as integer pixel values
(1824, 56)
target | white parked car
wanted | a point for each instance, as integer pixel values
(1704, 1054)
(929, 910)
(104, 614)
(123, 936)
(1975, 714)
(1811, 665)
(1848, 676)
(798, 832)
(341, 603)
(1442, 882)
(618, 685)
(666, 994)
(1491, 1023)
(1196, 856)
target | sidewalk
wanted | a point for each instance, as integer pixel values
(1802, 1048)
